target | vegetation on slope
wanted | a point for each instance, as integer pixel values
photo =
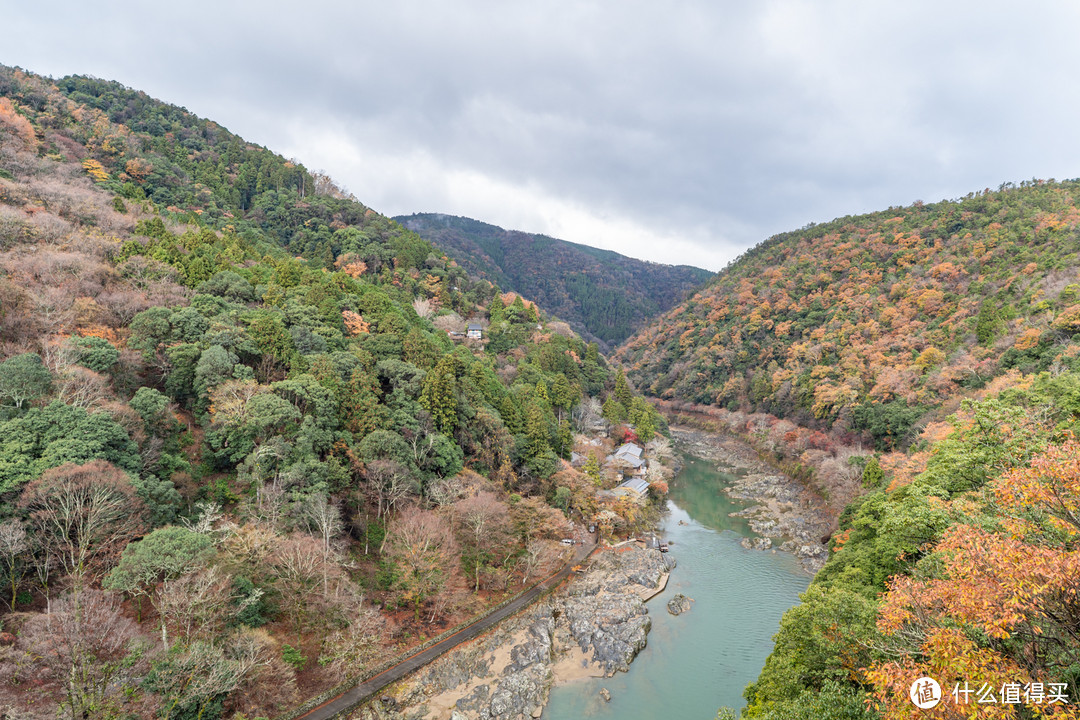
(240, 455)
(864, 324)
(603, 295)
(921, 363)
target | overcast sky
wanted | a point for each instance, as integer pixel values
(679, 131)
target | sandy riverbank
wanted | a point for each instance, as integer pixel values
(786, 514)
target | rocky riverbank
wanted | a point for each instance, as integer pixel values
(785, 513)
(593, 627)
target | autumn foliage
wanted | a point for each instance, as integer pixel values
(995, 606)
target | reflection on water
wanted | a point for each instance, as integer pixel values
(701, 660)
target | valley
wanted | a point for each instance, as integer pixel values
(257, 440)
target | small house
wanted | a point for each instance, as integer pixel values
(634, 488)
(629, 455)
(474, 332)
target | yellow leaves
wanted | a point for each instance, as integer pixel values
(1068, 319)
(908, 242)
(1052, 483)
(829, 398)
(930, 301)
(929, 358)
(95, 170)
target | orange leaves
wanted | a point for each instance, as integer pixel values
(991, 581)
(1028, 339)
(1068, 319)
(355, 323)
(508, 299)
(138, 169)
(1020, 585)
(903, 468)
(18, 124)
(351, 265)
(1051, 483)
(946, 272)
(951, 659)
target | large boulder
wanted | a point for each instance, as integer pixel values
(678, 604)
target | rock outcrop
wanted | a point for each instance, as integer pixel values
(507, 675)
(678, 604)
(784, 510)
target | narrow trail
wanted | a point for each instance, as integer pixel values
(369, 688)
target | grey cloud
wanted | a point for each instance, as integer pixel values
(721, 121)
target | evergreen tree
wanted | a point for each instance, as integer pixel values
(592, 468)
(439, 395)
(537, 431)
(872, 475)
(622, 389)
(613, 411)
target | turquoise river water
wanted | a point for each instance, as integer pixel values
(701, 660)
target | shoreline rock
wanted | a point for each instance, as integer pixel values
(785, 513)
(679, 604)
(592, 628)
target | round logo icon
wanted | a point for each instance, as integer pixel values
(925, 693)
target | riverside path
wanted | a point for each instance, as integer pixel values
(369, 688)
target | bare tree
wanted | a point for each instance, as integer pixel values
(80, 387)
(312, 590)
(84, 514)
(389, 483)
(350, 650)
(421, 546)
(450, 321)
(538, 554)
(15, 555)
(193, 678)
(268, 685)
(484, 530)
(443, 491)
(423, 307)
(659, 449)
(324, 518)
(87, 648)
(588, 416)
(197, 604)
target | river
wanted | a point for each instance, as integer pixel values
(701, 660)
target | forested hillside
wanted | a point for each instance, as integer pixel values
(603, 295)
(930, 355)
(245, 449)
(865, 324)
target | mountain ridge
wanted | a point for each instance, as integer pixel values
(601, 293)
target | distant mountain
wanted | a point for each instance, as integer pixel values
(603, 295)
